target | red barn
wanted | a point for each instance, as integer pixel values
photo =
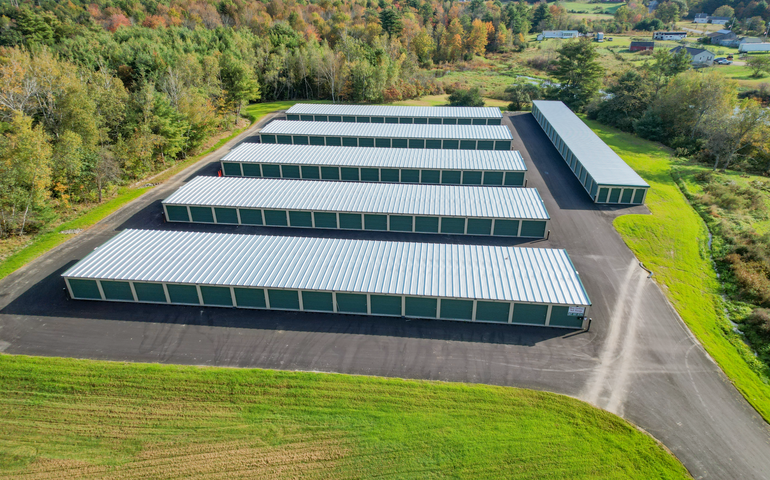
(641, 46)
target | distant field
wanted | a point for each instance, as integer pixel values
(64, 418)
(585, 7)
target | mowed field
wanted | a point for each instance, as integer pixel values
(64, 418)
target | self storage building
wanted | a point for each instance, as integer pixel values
(530, 286)
(454, 167)
(449, 137)
(603, 174)
(395, 114)
(396, 207)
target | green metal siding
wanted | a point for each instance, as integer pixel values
(452, 225)
(639, 195)
(421, 121)
(486, 145)
(451, 144)
(334, 141)
(117, 290)
(378, 119)
(317, 140)
(471, 178)
(351, 303)
(320, 301)
(450, 121)
(182, 294)
(251, 170)
(426, 224)
(514, 179)
(330, 173)
(559, 318)
(614, 195)
(602, 195)
(479, 226)
(177, 213)
(266, 138)
(349, 142)
(365, 142)
(325, 220)
(216, 296)
(528, 313)
(250, 297)
(300, 139)
(389, 175)
(530, 228)
(463, 121)
(348, 173)
(149, 292)
(430, 176)
(399, 143)
(290, 171)
(270, 170)
(627, 194)
(401, 223)
(275, 218)
(382, 142)
(370, 175)
(351, 221)
(385, 305)
(436, 144)
(507, 228)
(493, 178)
(251, 217)
(420, 307)
(233, 169)
(226, 215)
(284, 299)
(300, 219)
(84, 288)
(416, 143)
(202, 214)
(456, 309)
(375, 222)
(434, 121)
(284, 139)
(492, 311)
(408, 120)
(451, 177)
(502, 145)
(410, 176)
(468, 144)
(310, 172)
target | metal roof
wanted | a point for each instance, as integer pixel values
(601, 162)
(390, 198)
(538, 275)
(388, 130)
(394, 111)
(428, 158)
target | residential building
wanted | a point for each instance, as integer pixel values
(669, 35)
(558, 34)
(700, 56)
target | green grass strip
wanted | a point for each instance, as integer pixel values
(84, 419)
(673, 242)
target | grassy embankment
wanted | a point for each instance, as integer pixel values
(63, 418)
(673, 243)
(48, 240)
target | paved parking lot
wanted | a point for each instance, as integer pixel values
(638, 359)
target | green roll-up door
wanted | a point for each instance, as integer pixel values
(506, 228)
(451, 177)
(433, 143)
(330, 173)
(318, 301)
(452, 225)
(263, 138)
(434, 121)
(348, 173)
(627, 194)
(400, 223)
(391, 120)
(117, 290)
(485, 145)
(479, 226)
(271, 170)
(202, 214)
(350, 221)
(226, 215)
(349, 142)
(187, 294)
(335, 118)
(375, 222)
(333, 141)
(292, 117)
(503, 145)
(325, 220)
(347, 119)
(639, 195)
(276, 218)
(177, 213)
(467, 144)
(398, 143)
(426, 224)
(494, 121)
(250, 217)
(300, 139)
(430, 176)
(492, 311)
(389, 175)
(602, 195)
(283, 139)
(614, 195)
(351, 303)
(416, 143)
(317, 141)
(493, 178)
(84, 288)
(309, 171)
(250, 297)
(559, 318)
(514, 179)
(300, 219)
(471, 178)
(290, 171)
(231, 169)
(363, 120)
(382, 142)
(529, 313)
(284, 299)
(370, 175)
(408, 120)
(306, 118)
(150, 292)
(532, 229)
(378, 119)
(219, 296)
(451, 144)
(421, 121)
(385, 305)
(456, 309)
(321, 118)
(479, 121)
(450, 121)
(365, 142)
(463, 121)
(251, 170)
(410, 176)
(420, 307)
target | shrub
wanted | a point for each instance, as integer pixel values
(759, 322)
(466, 98)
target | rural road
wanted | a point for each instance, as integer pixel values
(638, 360)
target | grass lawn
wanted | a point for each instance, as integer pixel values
(608, 8)
(441, 100)
(672, 242)
(64, 418)
(742, 75)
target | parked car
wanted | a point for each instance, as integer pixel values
(722, 61)
(609, 39)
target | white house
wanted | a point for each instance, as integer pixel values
(558, 34)
(700, 57)
(701, 18)
(719, 20)
(754, 47)
(669, 35)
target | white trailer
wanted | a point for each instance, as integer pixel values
(754, 47)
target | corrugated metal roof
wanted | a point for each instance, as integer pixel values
(388, 130)
(428, 158)
(537, 275)
(394, 111)
(391, 198)
(601, 162)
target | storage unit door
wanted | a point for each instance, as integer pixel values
(226, 215)
(150, 292)
(426, 224)
(231, 169)
(351, 303)
(492, 311)
(251, 217)
(559, 318)
(182, 294)
(506, 228)
(217, 296)
(117, 290)
(320, 301)
(250, 297)
(284, 299)
(532, 229)
(177, 213)
(85, 288)
(385, 305)
(202, 214)
(456, 309)
(479, 226)
(529, 313)
(421, 307)
(325, 220)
